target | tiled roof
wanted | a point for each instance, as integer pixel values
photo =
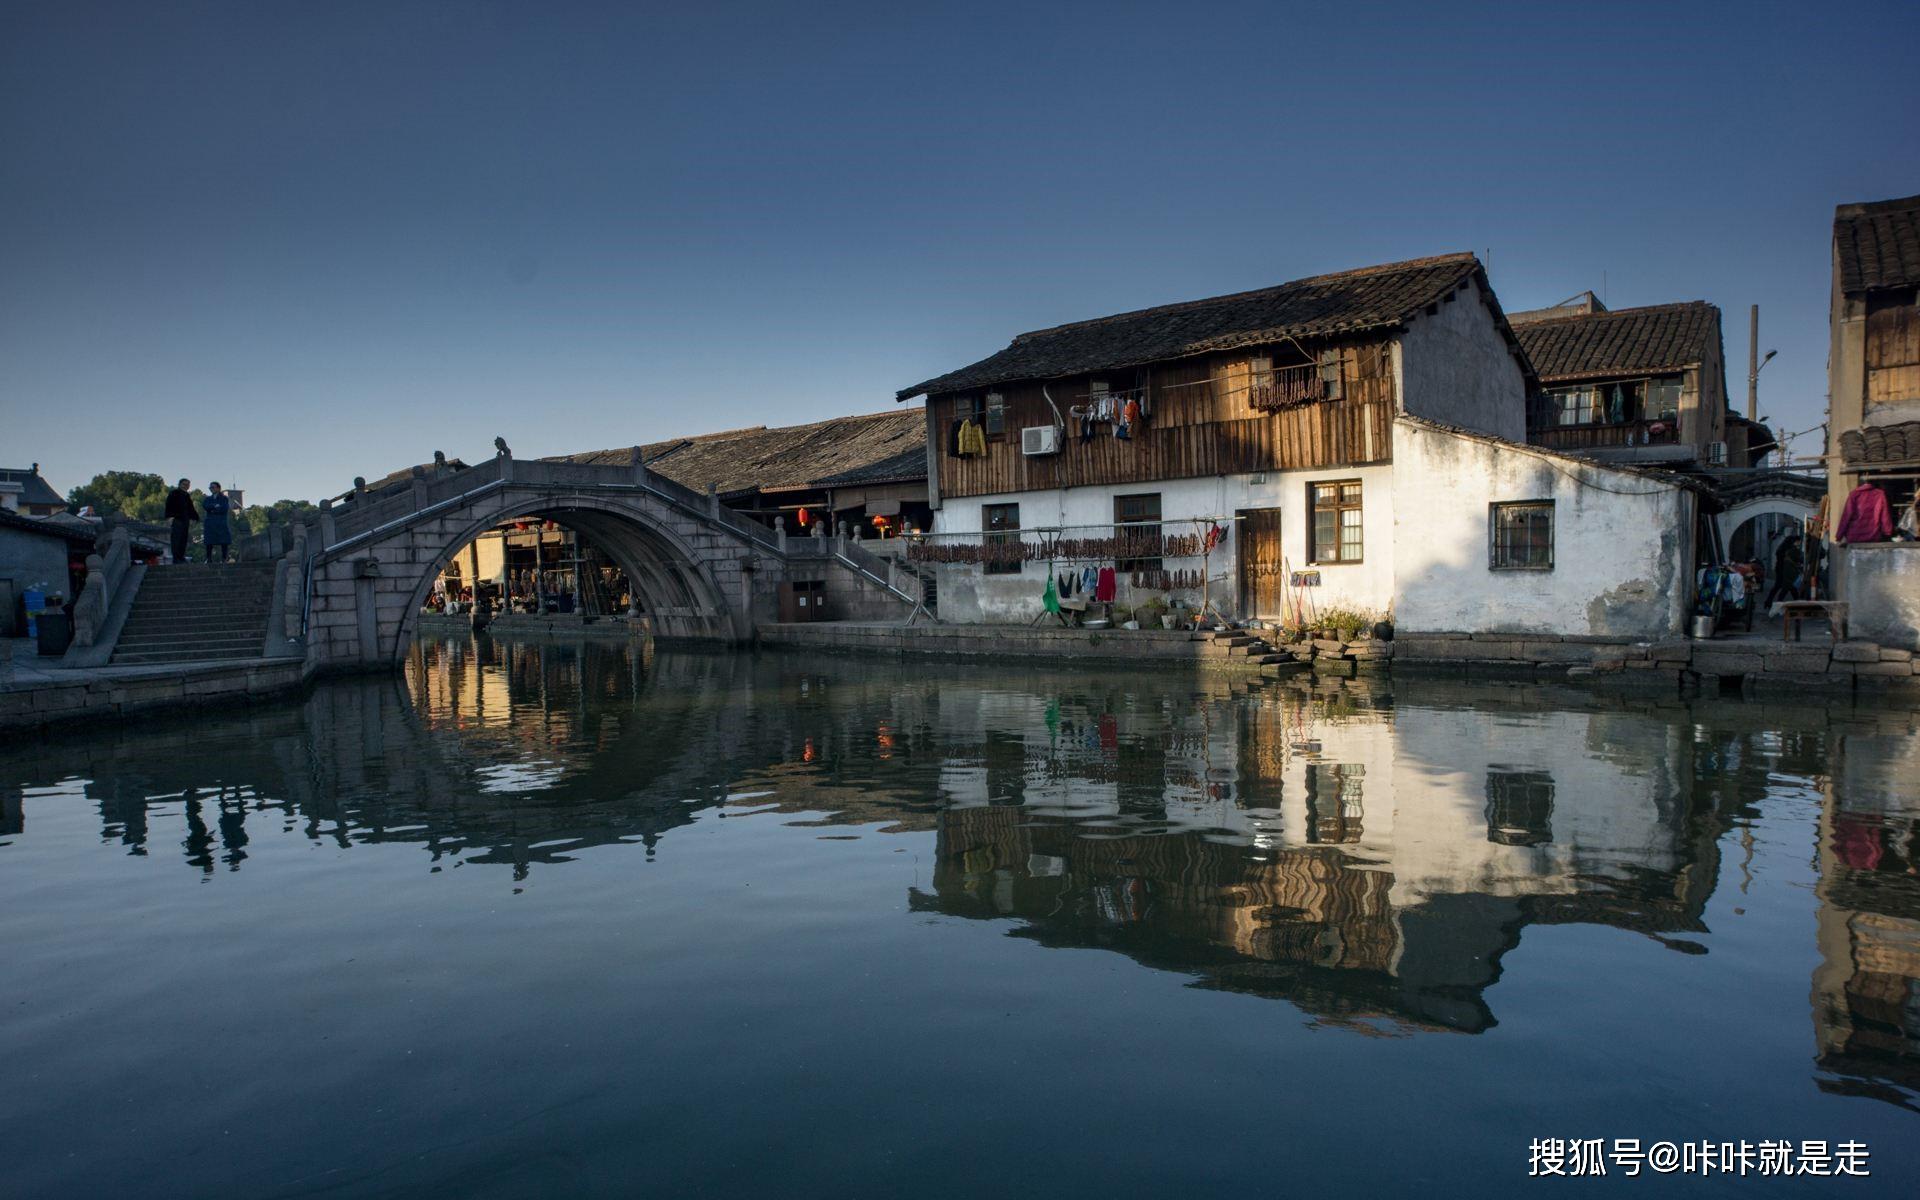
(905, 467)
(784, 458)
(47, 528)
(1347, 302)
(1881, 445)
(34, 490)
(1626, 341)
(1878, 245)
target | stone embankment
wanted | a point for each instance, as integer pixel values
(31, 698)
(1754, 662)
(1757, 662)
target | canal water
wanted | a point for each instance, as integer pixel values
(582, 919)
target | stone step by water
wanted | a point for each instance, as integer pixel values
(197, 613)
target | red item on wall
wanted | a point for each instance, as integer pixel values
(1866, 517)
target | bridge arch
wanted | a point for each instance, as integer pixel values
(692, 567)
(703, 570)
(672, 586)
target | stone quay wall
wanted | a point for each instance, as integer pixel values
(105, 694)
(1758, 664)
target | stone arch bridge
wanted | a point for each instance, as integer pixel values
(350, 592)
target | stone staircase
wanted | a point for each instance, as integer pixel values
(197, 613)
(1237, 643)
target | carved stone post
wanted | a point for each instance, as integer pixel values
(638, 464)
(293, 590)
(90, 609)
(419, 484)
(780, 532)
(327, 537)
(713, 500)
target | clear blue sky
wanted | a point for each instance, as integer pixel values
(281, 245)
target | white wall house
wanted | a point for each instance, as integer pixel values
(1361, 434)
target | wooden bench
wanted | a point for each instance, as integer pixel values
(1792, 612)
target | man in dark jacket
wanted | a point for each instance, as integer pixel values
(180, 513)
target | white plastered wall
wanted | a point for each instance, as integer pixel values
(1622, 542)
(969, 595)
(1455, 367)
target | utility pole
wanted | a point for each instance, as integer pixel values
(1753, 363)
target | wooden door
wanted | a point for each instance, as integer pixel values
(1263, 582)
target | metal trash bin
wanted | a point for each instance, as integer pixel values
(56, 632)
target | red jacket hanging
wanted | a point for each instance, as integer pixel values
(1103, 587)
(1866, 517)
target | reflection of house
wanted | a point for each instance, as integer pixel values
(1866, 990)
(1873, 388)
(1311, 926)
(1357, 868)
(1635, 385)
(1361, 429)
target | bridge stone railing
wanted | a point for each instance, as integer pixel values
(341, 524)
(268, 544)
(293, 585)
(106, 575)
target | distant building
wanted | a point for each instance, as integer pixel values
(1645, 385)
(24, 491)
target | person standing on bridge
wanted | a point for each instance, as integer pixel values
(180, 512)
(218, 533)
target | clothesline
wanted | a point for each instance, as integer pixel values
(1054, 529)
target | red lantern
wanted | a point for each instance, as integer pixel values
(805, 518)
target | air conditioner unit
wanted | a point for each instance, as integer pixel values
(1040, 439)
(1716, 454)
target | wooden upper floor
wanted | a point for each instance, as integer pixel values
(1301, 376)
(1627, 379)
(1270, 408)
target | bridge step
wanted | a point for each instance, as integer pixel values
(197, 612)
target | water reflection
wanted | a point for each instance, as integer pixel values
(1371, 854)
(1866, 992)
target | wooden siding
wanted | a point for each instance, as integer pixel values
(1202, 423)
(1893, 353)
(1588, 437)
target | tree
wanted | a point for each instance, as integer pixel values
(134, 494)
(140, 496)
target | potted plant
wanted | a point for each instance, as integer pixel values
(1153, 613)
